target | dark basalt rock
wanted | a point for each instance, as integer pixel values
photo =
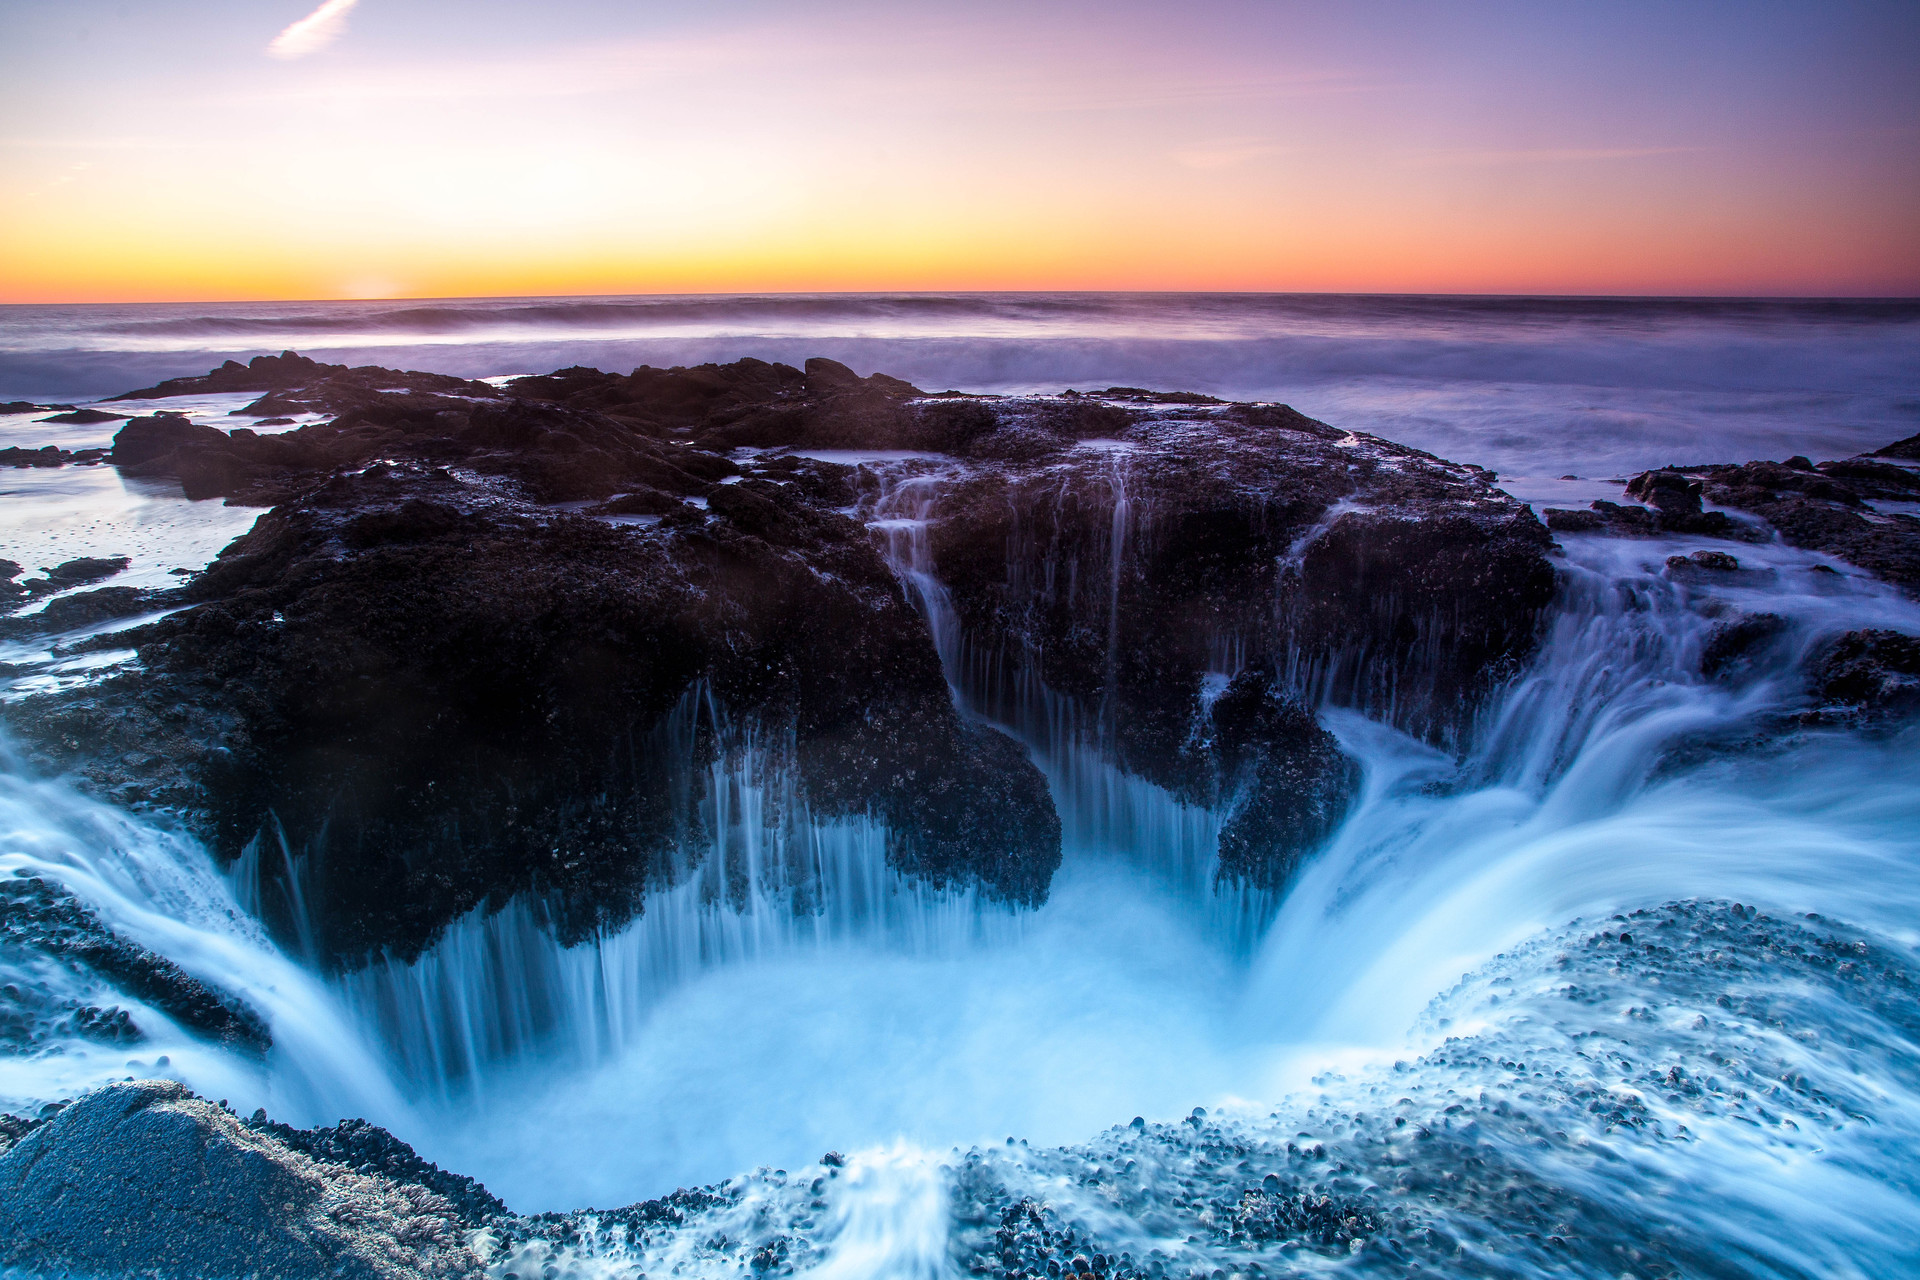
(1702, 562)
(159, 435)
(145, 1179)
(446, 692)
(1206, 541)
(1872, 673)
(63, 577)
(29, 406)
(1826, 507)
(49, 455)
(1428, 581)
(1733, 646)
(1674, 506)
(370, 1150)
(274, 404)
(671, 402)
(14, 1128)
(1286, 781)
(85, 417)
(1908, 448)
(323, 384)
(556, 454)
(447, 699)
(86, 609)
(40, 919)
(85, 569)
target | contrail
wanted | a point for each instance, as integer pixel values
(314, 32)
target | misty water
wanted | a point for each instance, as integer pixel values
(1627, 984)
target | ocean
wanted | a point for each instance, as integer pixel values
(1529, 386)
(1738, 1096)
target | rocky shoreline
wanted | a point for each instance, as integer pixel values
(1396, 1170)
(484, 639)
(484, 644)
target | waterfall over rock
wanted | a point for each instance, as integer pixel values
(611, 783)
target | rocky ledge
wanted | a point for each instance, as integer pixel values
(486, 642)
(1864, 510)
(146, 1179)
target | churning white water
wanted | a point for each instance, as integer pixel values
(1513, 997)
(829, 1004)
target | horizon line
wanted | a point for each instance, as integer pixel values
(934, 292)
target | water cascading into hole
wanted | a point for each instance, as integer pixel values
(758, 876)
(1105, 812)
(1611, 772)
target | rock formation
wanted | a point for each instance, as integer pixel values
(1829, 507)
(146, 1179)
(485, 640)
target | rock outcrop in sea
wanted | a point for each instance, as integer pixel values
(485, 642)
(491, 645)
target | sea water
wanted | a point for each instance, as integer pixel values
(1439, 964)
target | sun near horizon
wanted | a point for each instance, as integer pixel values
(374, 148)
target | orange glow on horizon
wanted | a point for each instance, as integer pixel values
(1228, 253)
(1246, 149)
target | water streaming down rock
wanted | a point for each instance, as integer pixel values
(759, 875)
(1105, 811)
(155, 892)
(1545, 1114)
(1670, 748)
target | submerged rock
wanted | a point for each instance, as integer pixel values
(146, 1179)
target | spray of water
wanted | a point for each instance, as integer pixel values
(790, 993)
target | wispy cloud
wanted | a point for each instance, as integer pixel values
(1546, 155)
(314, 32)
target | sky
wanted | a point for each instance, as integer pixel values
(247, 149)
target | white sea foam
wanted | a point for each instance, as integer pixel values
(726, 1029)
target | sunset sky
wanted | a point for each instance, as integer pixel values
(229, 149)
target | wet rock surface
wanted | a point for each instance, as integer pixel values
(484, 640)
(1176, 583)
(420, 688)
(368, 1149)
(1872, 674)
(1544, 1140)
(65, 967)
(146, 1179)
(443, 672)
(1285, 779)
(441, 696)
(552, 577)
(1854, 509)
